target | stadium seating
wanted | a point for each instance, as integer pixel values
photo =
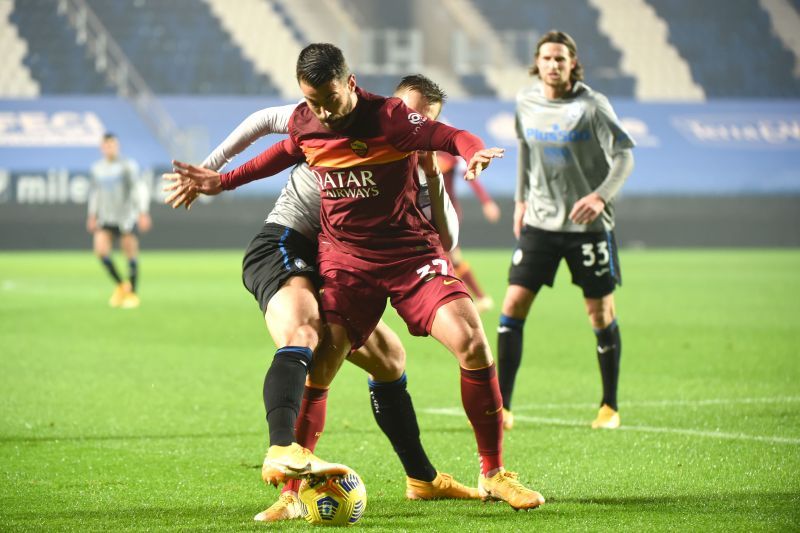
(731, 48)
(576, 17)
(180, 48)
(55, 60)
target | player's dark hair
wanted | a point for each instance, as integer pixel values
(107, 136)
(559, 37)
(423, 85)
(321, 63)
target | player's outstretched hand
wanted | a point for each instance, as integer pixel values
(480, 160)
(188, 181)
(183, 191)
(587, 209)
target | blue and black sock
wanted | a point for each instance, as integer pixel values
(609, 353)
(394, 413)
(133, 272)
(109, 264)
(283, 392)
(509, 355)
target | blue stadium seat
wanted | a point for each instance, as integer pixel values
(730, 47)
(55, 60)
(179, 47)
(578, 18)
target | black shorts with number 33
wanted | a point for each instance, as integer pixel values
(592, 259)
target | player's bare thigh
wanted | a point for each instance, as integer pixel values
(330, 355)
(129, 244)
(292, 316)
(517, 301)
(382, 355)
(601, 311)
(102, 241)
(458, 327)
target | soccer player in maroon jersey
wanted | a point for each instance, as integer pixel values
(376, 244)
(491, 211)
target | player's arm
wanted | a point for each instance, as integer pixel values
(407, 131)
(257, 125)
(588, 208)
(187, 178)
(443, 214)
(521, 191)
(616, 142)
(140, 196)
(92, 201)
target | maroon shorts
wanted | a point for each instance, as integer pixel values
(354, 291)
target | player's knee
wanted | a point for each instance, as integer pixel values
(473, 351)
(516, 306)
(601, 318)
(306, 335)
(389, 369)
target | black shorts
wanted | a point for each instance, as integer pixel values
(592, 259)
(116, 232)
(276, 254)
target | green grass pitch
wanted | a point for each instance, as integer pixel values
(151, 419)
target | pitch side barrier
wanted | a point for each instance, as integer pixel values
(715, 148)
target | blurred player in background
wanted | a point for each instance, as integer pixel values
(119, 203)
(376, 244)
(280, 272)
(491, 211)
(574, 158)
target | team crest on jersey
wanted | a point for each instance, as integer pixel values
(416, 118)
(360, 148)
(299, 263)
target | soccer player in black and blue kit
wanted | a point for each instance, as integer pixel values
(574, 158)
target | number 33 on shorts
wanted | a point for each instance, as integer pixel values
(595, 254)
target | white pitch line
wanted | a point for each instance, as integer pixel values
(664, 403)
(642, 429)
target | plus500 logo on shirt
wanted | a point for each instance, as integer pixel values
(556, 134)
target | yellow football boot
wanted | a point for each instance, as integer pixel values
(443, 487)
(288, 507)
(508, 419)
(504, 486)
(294, 461)
(130, 301)
(118, 296)
(607, 418)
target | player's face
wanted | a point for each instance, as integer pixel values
(555, 64)
(420, 104)
(109, 148)
(332, 102)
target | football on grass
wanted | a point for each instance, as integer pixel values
(334, 501)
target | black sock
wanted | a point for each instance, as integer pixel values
(133, 271)
(394, 413)
(509, 355)
(109, 264)
(283, 392)
(609, 352)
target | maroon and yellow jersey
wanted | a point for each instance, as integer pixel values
(366, 173)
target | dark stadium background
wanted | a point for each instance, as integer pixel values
(710, 91)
